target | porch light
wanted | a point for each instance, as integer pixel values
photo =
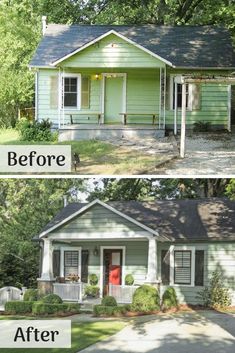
(96, 251)
(97, 76)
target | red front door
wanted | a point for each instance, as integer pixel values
(112, 268)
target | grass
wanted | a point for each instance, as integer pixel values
(99, 157)
(83, 335)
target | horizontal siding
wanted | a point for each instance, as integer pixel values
(112, 52)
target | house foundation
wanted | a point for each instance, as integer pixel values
(45, 287)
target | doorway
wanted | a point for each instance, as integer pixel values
(112, 268)
(114, 98)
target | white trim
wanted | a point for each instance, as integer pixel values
(160, 97)
(59, 97)
(70, 248)
(36, 95)
(164, 100)
(111, 247)
(103, 91)
(98, 202)
(182, 248)
(178, 79)
(105, 35)
(79, 92)
(229, 107)
(176, 109)
(132, 235)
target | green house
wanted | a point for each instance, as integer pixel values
(95, 80)
(175, 243)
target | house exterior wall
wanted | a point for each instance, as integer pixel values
(142, 96)
(217, 256)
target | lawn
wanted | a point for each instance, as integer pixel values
(99, 157)
(83, 335)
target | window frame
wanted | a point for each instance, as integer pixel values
(79, 90)
(190, 254)
(172, 265)
(62, 259)
(172, 95)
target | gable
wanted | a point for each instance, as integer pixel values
(112, 51)
(97, 220)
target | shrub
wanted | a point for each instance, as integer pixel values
(52, 299)
(202, 126)
(35, 131)
(92, 291)
(31, 295)
(129, 280)
(18, 307)
(93, 279)
(169, 299)
(40, 308)
(145, 299)
(215, 295)
(101, 310)
(109, 301)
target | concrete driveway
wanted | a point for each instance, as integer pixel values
(201, 332)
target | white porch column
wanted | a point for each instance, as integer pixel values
(183, 122)
(152, 261)
(47, 261)
(176, 109)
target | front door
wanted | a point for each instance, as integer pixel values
(112, 268)
(113, 99)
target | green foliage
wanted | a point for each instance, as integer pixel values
(202, 126)
(215, 295)
(52, 299)
(31, 295)
(129, 280)
(40, 308)
(145, 299)
(109, 301)
(102, 310)
(92, 291)
(93, 279)
(18, 307)
(35, 131)
(169, 299)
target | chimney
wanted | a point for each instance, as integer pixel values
(65, 200)
(44, 24)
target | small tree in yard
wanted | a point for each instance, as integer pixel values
(215, 295)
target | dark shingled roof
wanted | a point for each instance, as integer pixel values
(179, 220)
(183, 46)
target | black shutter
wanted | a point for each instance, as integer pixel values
(85, 257)
(56, 263)
(199, 267)
(165, 267)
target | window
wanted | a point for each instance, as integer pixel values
(179, 96)
(71, 263)
(182, 267)
(71, 92)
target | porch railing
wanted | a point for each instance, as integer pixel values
(70, 291)
(122, 294)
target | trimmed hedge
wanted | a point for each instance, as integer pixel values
(129, 280)
(92, 291)
(93, 279)
(40, 308)
(31, 295)
(169, 299)
(145, 299)
(52, 299)
(102, 310)
(18, 307)
(109, 301)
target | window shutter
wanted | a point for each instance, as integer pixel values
(165, 267)
(195, 90)
(85, 94)
(85, 258)
(199, 267)
(56, 263)
(53, 92)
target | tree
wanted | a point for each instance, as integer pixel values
(26, 205)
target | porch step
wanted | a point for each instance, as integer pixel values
(107, 133)
(87, 304)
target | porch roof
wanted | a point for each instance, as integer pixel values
(182, 46)
(178, 220)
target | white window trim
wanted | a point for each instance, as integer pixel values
(190, 93)
(70, 248)
(182, 248)
(79, 90)
(112, 247)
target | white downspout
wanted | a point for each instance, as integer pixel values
(160, 97)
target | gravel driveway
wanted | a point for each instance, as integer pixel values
(201, 332)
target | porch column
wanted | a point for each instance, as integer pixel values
(183, 122)
(152, 261)
(47, 261)
(176, 109)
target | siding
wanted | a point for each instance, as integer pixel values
(112, 51)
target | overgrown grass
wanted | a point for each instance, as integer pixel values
(98, 157)
(83, 335)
